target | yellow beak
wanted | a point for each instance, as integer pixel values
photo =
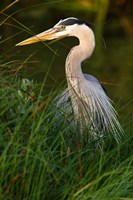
(46, 35)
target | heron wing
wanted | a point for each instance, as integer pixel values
(91, 106)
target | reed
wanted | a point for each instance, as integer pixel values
(38, 155)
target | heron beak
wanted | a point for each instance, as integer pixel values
(46, 35)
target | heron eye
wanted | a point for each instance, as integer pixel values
(62, 27)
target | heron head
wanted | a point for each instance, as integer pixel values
(64, 28)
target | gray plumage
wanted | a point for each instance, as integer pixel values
(84, 98)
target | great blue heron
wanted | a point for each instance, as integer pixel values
(91, 106)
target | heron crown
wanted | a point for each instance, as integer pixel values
(71, 21)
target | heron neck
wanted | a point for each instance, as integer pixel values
(78, 54)
(73, 64)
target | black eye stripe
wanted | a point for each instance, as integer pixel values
(71, 21)
(68, 22)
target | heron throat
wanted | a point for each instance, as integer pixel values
(76, 56)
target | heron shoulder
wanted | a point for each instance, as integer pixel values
(91, 78)
(94, 80)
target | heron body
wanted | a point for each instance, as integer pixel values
(91, 107)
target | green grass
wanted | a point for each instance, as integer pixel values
(39, 156)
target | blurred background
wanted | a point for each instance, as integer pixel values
(111, 63)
